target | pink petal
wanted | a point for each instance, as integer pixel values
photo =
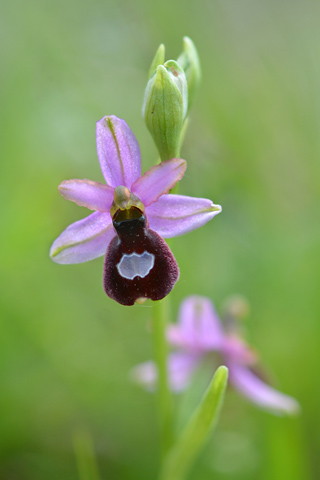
(259, 392)
(199, 328)
(118, 152)
(174, 215)
(237, 350)
(93, 195)
(83, 240)
(181, 367)
(158, 180)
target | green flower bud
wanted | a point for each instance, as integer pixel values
(165, 105)
(189, 61)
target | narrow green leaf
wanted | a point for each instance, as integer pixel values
(182, 455)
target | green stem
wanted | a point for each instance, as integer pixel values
(164, 399)
(86, 460)
(160, 347)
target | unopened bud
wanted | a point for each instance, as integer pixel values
(165, 106)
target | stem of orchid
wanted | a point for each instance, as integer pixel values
(160, 347)
(164, 399)
(85, 456)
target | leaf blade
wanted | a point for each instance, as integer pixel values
(182, 455)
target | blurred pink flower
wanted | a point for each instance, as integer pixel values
(199, 332)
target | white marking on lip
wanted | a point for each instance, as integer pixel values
(135, 265)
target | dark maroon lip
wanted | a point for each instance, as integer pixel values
(138, 263)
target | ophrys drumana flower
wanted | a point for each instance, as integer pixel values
(131, 214)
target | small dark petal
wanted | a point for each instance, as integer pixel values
(133, 237)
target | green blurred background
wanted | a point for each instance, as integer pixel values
(253, 146)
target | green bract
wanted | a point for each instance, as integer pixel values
(158, 59)
(189, 61)
(165, 106)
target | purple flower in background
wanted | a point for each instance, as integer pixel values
(199, 333)
(132, 214)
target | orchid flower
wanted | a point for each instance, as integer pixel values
(131, 215)
(199, 333)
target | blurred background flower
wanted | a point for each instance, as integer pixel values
(252, 144)
(198, 336)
